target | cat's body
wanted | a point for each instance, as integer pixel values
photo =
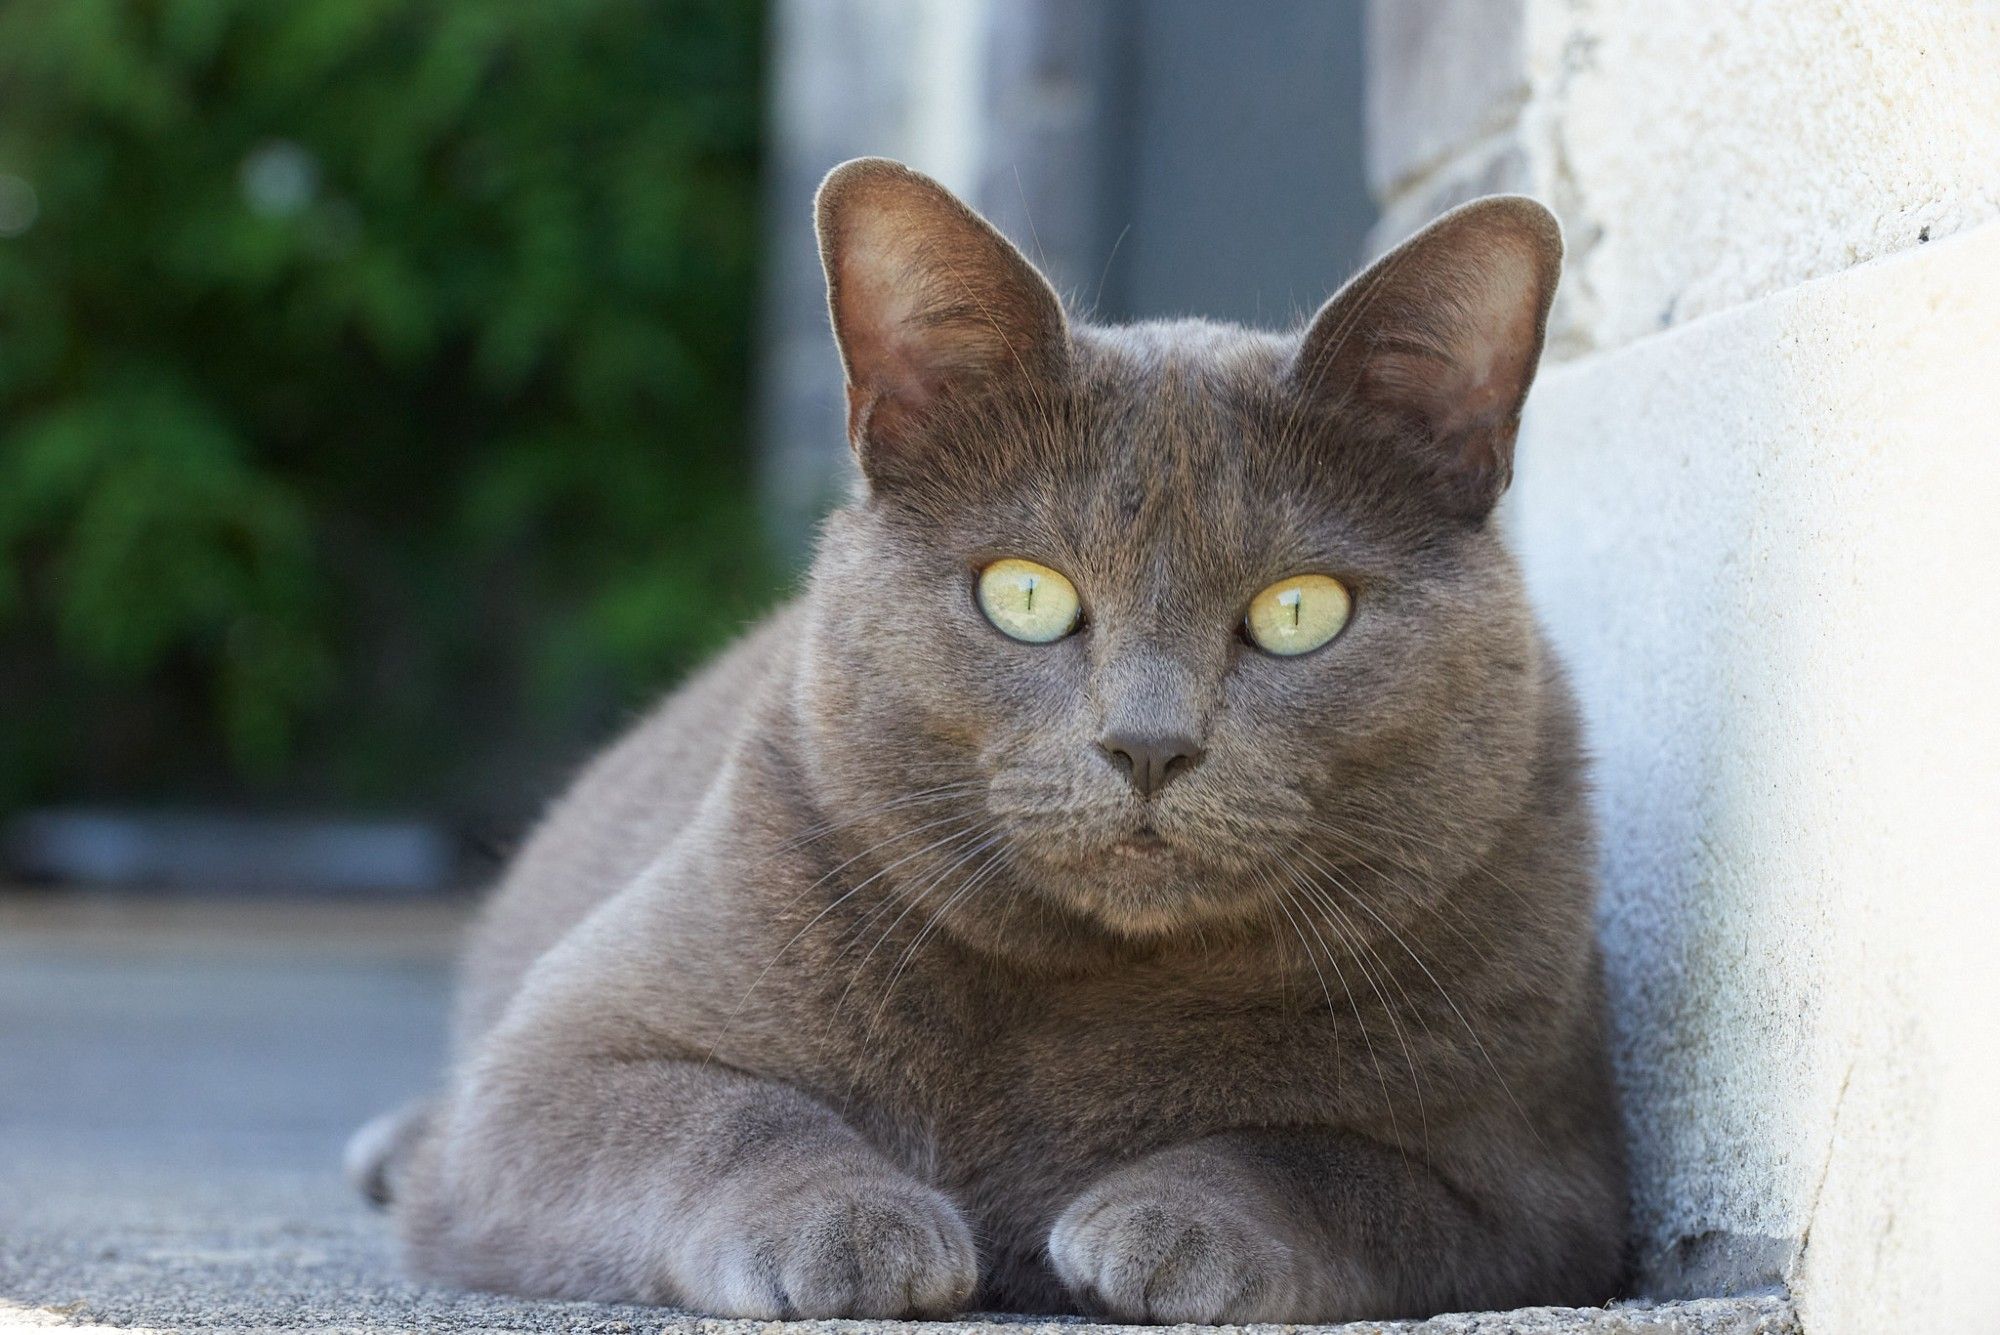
(867, 977)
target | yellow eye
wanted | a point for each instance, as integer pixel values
(1298, 615)
(1028, 601)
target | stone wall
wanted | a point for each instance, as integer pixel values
(1756, 501)
(1701, 153)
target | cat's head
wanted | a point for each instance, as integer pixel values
(1147, 623)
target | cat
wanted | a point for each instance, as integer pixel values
(1147, 873)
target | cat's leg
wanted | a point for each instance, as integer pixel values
(670, 1181)
(1306, 1226)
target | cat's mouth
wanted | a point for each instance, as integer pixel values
(1145, 842)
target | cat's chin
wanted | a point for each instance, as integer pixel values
(1141, 886)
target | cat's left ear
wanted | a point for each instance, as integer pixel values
(1443, 335)
(929, 302)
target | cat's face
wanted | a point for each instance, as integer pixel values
(1147, 746)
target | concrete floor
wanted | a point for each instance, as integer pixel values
(176, 1082)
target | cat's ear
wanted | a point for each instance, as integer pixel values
(1443, 335)
(928, 301)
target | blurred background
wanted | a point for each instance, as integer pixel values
(396, 396)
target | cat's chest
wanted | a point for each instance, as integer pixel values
(1089, 1071)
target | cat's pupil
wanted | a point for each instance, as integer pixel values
(1029, 585)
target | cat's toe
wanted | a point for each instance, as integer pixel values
(1137, 1258)
(877, 1249)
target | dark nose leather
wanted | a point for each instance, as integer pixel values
(1150, 763)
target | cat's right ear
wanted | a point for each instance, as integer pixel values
(928, 301)
(1442, 335)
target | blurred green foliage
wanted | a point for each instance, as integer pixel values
(373, 386)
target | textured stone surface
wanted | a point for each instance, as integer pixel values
(272, 1248)
(1442, 74)
(1764, 542)
(1701, 153)
(174, 1090)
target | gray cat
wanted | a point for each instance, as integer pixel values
(1148, 872)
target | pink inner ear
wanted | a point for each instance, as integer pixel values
(927, 299)
(912, 319)
(1476, 370)
(1495, 355)
(880, 304)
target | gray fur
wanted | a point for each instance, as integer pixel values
(856, 980)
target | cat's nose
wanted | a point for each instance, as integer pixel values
(1150, 763)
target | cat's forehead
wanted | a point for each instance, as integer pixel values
(1183, 344)
(1170, 408)
(1176, 471)
(1178, 372)
(1175, 460)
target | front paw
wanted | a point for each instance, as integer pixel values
(877, 1246)
(1144, 1246)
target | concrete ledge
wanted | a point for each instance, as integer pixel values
(1711, 1316)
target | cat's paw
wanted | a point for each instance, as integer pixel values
(878, 1246)
(1144, 1247)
